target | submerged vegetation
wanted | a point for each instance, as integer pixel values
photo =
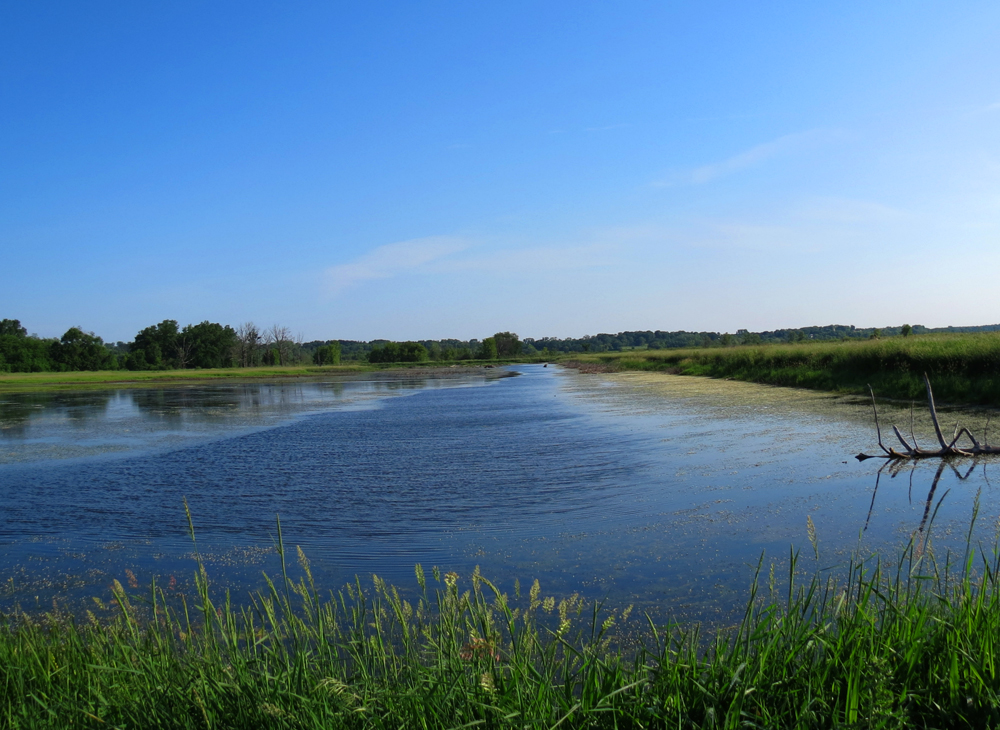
(965, 368)
(912, 644)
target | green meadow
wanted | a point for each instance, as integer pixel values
(912, 643)
(963, 368)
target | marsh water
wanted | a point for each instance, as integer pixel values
(658, 490)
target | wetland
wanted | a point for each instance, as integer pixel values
(649, 489)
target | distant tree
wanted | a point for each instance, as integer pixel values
(79, 350)
(207, 345)
(398, 352)
(876, 334)
(12, 328)
(434, 350)
(507, 344)
(328, 354)
(907, 329)
(487, 350)
(156, 347)
(20, 353)
(727, 340)
(247, 345)
(278, 341)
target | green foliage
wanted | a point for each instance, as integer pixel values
(79, 350)
(507, 345)
(155, 347)
(906, 330)
(165, 346)
(487, 350)
(912, 645)
(207, 345)
(12, 328)
(327, 354)
(398, 352)
(20, 353)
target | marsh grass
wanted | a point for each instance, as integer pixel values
(907, 644)
(964, 368)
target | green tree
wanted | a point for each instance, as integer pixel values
(907, 329)
(487, 350)
(398, 352)
(328, 354)
(207, 345)
(156, 347)
(508, 345)
(20, 353)
(12, 328)
(79, 350)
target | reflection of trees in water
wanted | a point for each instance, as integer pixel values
(175, 405)
(17, 410)
(922, 533)
(207, 402)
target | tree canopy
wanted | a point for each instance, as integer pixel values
(398, 352)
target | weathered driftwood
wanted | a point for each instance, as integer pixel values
(948, 448)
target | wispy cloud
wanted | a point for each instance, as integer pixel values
(814, 225)
(788, 144)
(393, 259)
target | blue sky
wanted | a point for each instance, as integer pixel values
(427, 170)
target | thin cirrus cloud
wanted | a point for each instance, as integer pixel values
(782, 146)
(393, 259)
(438, 255)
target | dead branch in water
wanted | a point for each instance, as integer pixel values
(915, 452)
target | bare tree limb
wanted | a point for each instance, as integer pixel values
(915, 452)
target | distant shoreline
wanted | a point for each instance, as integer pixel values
(89, 380)
(964, 369)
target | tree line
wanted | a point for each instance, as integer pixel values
(659, 340)
(163, 346)
(166, 345)
(502, 345)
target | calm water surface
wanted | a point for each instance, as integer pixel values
(654, 489)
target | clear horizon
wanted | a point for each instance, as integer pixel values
(403, 171)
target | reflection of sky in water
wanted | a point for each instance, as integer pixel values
(65, 425)
(653, 488)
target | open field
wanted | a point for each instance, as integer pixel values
(963, 368)
(912, 644)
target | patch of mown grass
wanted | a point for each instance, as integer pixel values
(963, 368)
(912, 644)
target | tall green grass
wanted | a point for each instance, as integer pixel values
(911, 644)
(963, 368)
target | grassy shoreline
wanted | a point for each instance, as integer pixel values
(964, 369)
(83, 380)
(912, 644)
